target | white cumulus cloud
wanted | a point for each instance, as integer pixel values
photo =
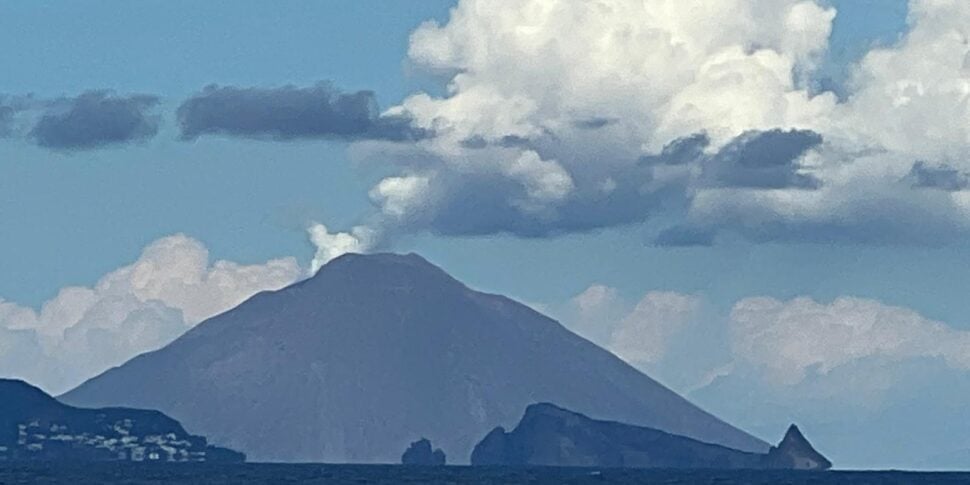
(563, 116)
(140, 307)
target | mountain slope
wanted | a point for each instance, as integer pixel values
(376, 351)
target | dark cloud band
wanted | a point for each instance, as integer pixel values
(755, 159)
(6, 119)
(941, 177)
(288, 113)
(95, 119)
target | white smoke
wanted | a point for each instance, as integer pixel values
(329, 245)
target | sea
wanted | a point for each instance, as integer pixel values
(129, 474)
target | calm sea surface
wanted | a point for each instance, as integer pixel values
(363, 474)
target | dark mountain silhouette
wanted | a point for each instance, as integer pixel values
(353, 363)
(36, 427)
(552, 436)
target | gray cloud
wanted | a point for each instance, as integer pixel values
(94, 119)
(463, 202)
(594, 123)
(942, 177)
(620, 189)
(755, 159)
(6, 119)
(686, 236)
(763, 160)
(680, 151)
(288, 113)
(870, 217)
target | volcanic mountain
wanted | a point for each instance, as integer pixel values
(376, 351)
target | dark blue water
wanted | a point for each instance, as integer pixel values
(363, 474)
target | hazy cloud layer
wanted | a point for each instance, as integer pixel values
(876, 384)
(140, 307)
(642, 332)
(791, 339)
(95, 119)
(289, 112)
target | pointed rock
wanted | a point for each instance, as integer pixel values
(795, 452)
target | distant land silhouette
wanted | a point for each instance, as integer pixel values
(375, 351)
(551, 436)
(36, 427)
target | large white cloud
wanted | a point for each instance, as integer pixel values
(654, 65)
(552, 104)
(140, 307)
(557, 115)
(908, 104)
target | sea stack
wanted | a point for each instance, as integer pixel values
(419, 453)
(795, 452)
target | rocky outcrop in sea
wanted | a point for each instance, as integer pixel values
(420, 453)
(549, 435)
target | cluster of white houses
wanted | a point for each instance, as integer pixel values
(57, 441)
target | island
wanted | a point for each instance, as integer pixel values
(549, 435)
(36, 427)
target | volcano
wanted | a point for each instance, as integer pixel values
(376, 351)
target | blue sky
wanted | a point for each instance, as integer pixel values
(881, 233)
(98, 209)
(68, 218)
